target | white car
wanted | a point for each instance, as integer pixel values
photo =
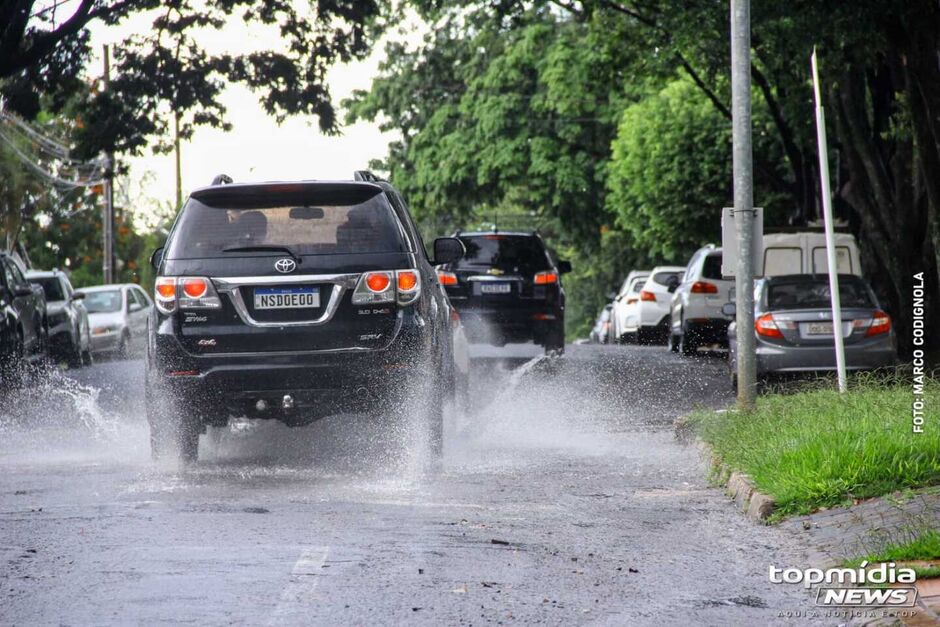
(118, 317)
(652, 320)
(626, 306)
(696, 317)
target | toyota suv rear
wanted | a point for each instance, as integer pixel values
(295, 301)
(508, 289)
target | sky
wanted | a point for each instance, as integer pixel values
(257, 148)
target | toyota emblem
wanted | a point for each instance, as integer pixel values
(285, 266)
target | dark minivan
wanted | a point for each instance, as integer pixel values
(296, 301)
(508, 289)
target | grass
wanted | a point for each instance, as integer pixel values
(817, 448)
(924, 546)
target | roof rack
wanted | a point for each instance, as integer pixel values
(222, 179)
(366, 175)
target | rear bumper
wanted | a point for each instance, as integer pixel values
(501, 326)
(865, 356)
(708, 331)
(318, 383)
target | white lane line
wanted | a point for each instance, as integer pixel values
(298, 595)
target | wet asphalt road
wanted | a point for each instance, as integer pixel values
(564, 500)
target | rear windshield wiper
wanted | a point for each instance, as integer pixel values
(264, 248)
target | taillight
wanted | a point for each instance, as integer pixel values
(704, 287)
(164, 291)
(544, 278)
(409, 286)
(647, 296)
(185, 293)
(387, 286)
(446, 278)
(766, 326)
(378, 282)
(880, 323)
(194, 288)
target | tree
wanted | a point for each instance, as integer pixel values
(168, 69)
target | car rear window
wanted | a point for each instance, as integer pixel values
(51, 286)
(711, 269)
(511, 253)
(638, 284)
(663, 277)
(306, 220)
(814, 294)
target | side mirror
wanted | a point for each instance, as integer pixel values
(77, 296)
(448, 250)
(156, 258)
(134, 307)
(564, 267)
(729, 309)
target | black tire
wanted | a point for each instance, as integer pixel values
(172, 433)
(124, 347)
(688, 347)
(87, 358)
(555, 342)
(672, 342)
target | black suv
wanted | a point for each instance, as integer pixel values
(508, 289)
(296, 301)
(23, 325)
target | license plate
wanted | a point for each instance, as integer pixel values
(495, 288)
(819, 328)
(287, 297)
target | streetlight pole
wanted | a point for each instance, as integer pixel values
(743, 199)
(107, 217)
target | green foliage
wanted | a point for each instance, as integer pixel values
(671, 172)
(819, 448)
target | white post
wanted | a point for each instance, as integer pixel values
(827, 221)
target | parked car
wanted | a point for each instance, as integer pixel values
(118, 317)
(23, 324)
(69, 329)
(508, 289)
(651, 323)
(600, 334)
(626, 307)
(295, 301)
(695, 311)
(804, 252)
(794, 331)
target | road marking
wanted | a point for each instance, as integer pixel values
(298, 595)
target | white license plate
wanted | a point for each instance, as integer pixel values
(287, 298)
(819, 328)
(495, 288)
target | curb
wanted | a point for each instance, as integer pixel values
(754, 504)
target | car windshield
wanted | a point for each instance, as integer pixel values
(105, 301)
(814, 294)
(511, 253)
(51, 286)
(305, 222)
(663, 277)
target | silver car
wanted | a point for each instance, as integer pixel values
(118, 316)
(794, 331)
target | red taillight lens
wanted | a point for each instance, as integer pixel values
(648, 296)
(766, 326)
(195, 288)
(880, 323)
(164, 291)
(704, 287)
(447, 278)
(407, 280)
(378, 281)
(544, 278)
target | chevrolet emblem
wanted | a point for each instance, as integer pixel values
(495, 271)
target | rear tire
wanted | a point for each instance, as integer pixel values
(87, 358)
(124, 347)
(172, 434)
(555, 342)
(672, 342)
(688, 347)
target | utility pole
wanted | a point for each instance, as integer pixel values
(107, 217)
(743, 199)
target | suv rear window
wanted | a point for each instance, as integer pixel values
(506, 252)
(814, 294)
(711, 269)
(51, 286)
(307, 220)
(663, 277)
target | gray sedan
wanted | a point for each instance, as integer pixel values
(794, 330)
(118, 316)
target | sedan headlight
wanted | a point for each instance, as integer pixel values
(58, 318)
(104, 329)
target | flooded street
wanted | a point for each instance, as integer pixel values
(564, 499)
